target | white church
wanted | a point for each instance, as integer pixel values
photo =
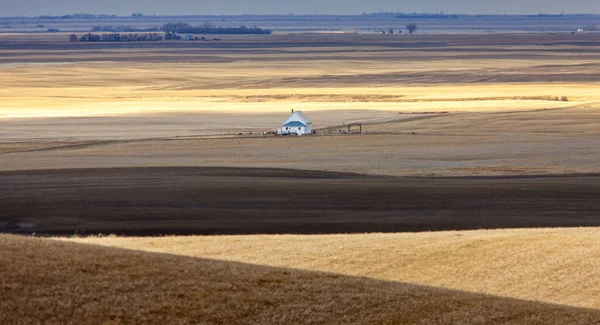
(296, 124)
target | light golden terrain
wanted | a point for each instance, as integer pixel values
(107, 88)
(560, 266)
(478, 105)
(52, 282)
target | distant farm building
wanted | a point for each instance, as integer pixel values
(297, 124)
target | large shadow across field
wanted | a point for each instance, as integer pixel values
(66, 283)
(159, 201)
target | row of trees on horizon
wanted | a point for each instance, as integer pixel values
(79, 16)
(117, 37)
(208, 28)
(123, 28)
(184, 28)
(172, 29)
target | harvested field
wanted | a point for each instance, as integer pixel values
(460, 132)
(163, 201)
(65, 283)
(311, 72)
(146, 105)
(392, 150)
(558, 266)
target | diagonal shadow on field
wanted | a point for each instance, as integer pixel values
(57, 282)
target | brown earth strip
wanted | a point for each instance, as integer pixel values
(158, 201)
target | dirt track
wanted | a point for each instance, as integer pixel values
(155, 201)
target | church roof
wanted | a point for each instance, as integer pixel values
(297, 117)
(294, 124)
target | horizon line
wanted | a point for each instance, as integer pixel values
(308, 15)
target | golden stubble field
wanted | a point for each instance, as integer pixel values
(308, 72)
(557, 266)
(484, 105)
(57, 282)
(116, 88)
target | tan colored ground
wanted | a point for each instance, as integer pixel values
(51, 282)
(258, 74)
(93, 89)
(499, 99)
(558, 266)
(507, 145)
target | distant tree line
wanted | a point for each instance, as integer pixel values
(414, 15)
(117, 37)
(184, 28)
(541, 15)
(79, 16)
(426, 16)
(172, 28)
(123, 28)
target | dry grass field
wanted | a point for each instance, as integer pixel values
(500, 99)
(262, 74)
(461, 132)
(52, 282)
(495, 143)
(559, 266)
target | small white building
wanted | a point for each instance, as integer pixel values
(297, 124)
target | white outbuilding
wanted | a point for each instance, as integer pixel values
(297, 124)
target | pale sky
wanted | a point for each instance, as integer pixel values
(233, 7)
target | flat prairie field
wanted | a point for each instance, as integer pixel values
(459, 133)
(501, 108)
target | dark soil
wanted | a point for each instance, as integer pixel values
(160, 201)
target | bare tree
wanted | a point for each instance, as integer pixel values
(174, 27)
(412, 28)
(73, 38)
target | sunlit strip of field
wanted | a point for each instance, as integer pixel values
(51, 282)
(56, 102)
(559, 266)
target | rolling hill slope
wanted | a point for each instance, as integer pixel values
(552, 265)
(52, 282)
